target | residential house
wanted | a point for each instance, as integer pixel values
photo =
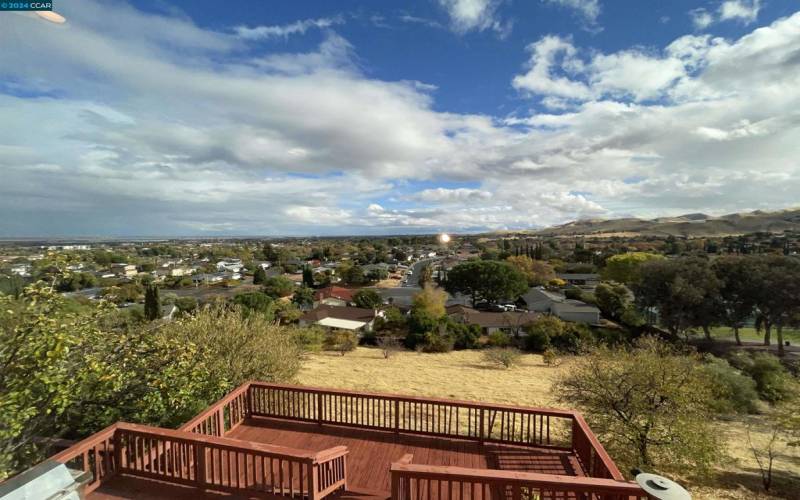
(345, 318)
(538, 299)
(333, 296)
(231, 265)
(510, 322)
(23, 270)
(124, 270)
(576, 311)
(207, 278)
(582, 280)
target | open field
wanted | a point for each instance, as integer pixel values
(750, 334)
(463, 375)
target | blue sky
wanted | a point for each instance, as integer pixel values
(273, 118)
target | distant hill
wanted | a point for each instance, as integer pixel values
(690, 225)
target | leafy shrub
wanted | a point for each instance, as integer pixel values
(311, 338)
(773, 381)
(549, 357)
(498, 339)
(537, 340)
(541, 331)
(438, 342)
(342, 341)
(732, 391)
(465, 336)
(573, 293)
(574, 338)
(505, 357)
(253, 302)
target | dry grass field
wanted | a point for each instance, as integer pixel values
(464, 375)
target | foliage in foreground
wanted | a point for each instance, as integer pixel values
(69, 372)
(649, 405)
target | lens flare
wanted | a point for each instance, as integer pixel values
(444, 238)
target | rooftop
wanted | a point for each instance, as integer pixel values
(268, 440)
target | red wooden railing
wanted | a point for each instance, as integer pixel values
(427, 482)
(199, 455)
(207, 462)
(94, 454)
(416, 415)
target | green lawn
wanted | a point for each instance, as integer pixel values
(750, 334)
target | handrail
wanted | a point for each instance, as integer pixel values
(553, 412)
(216, 411)
(599, 450)
(548, 482)
(96, 454)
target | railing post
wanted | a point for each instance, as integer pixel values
(200, 464)
(312, 480)
(397, 416)
(117, 463)
(480, 426)
(320, 412)
(221, 422)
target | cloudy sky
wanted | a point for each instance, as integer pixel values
(194, 117)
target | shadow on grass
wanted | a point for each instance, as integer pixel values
(784, 484)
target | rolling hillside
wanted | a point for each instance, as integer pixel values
(692, 225)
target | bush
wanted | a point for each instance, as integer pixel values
(504, 357)
(464, 336)
(773, 381)
(389, 345)
(368, 299)
(342, 341)
(311, 338)
(537, 340)
(498, 339)
(239, 347)
(733, 392)
(541, 331)
(549, 357)
(575, 338)
(438, 342)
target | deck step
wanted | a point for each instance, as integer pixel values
(362, 494)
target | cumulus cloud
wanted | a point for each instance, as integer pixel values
(155, 126)
(475, 15)
(744, 11)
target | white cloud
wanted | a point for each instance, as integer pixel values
(740, 10)
(588, 10)
(286, 30)
(546, 54)
(744, 11)
(475, 15)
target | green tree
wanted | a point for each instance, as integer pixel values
(779, 294)
(308, 277)
(259, 276)
(67, 372)
(537, 272)
(278, 286)
(303, 297)
(648, 405)
(738, 276)
(684, 291)
(625, 268)
(152, 303)
(257, 302)
(486, 280)
(368, 299)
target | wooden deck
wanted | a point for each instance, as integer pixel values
(270, 440)
(372, 452)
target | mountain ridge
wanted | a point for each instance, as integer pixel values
(687, 225)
